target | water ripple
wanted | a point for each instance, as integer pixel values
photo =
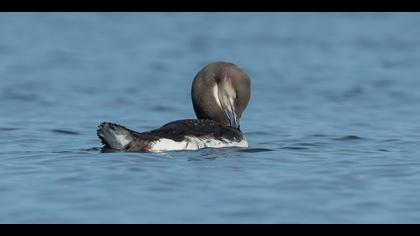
(8, 129)
(348, 138)
(62, 131)
(255, 150)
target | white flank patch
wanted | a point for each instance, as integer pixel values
(194, 143)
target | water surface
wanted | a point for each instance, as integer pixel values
(333, 122)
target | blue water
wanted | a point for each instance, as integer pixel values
(333, 122)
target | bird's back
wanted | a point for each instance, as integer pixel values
(190, 134)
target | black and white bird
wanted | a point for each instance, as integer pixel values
(220, 93)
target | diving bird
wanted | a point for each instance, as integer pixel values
(220, 93)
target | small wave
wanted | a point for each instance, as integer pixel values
(62, 131)
(79, 151)
(254, 150)
(294, 148)
(258, 133)
(94, 149)
(309, 144)
(348, 138)
(8, 129)
(318, 135)
(161, 108)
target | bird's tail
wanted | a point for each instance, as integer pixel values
(114, 136)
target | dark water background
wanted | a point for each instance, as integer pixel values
(333, 123)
